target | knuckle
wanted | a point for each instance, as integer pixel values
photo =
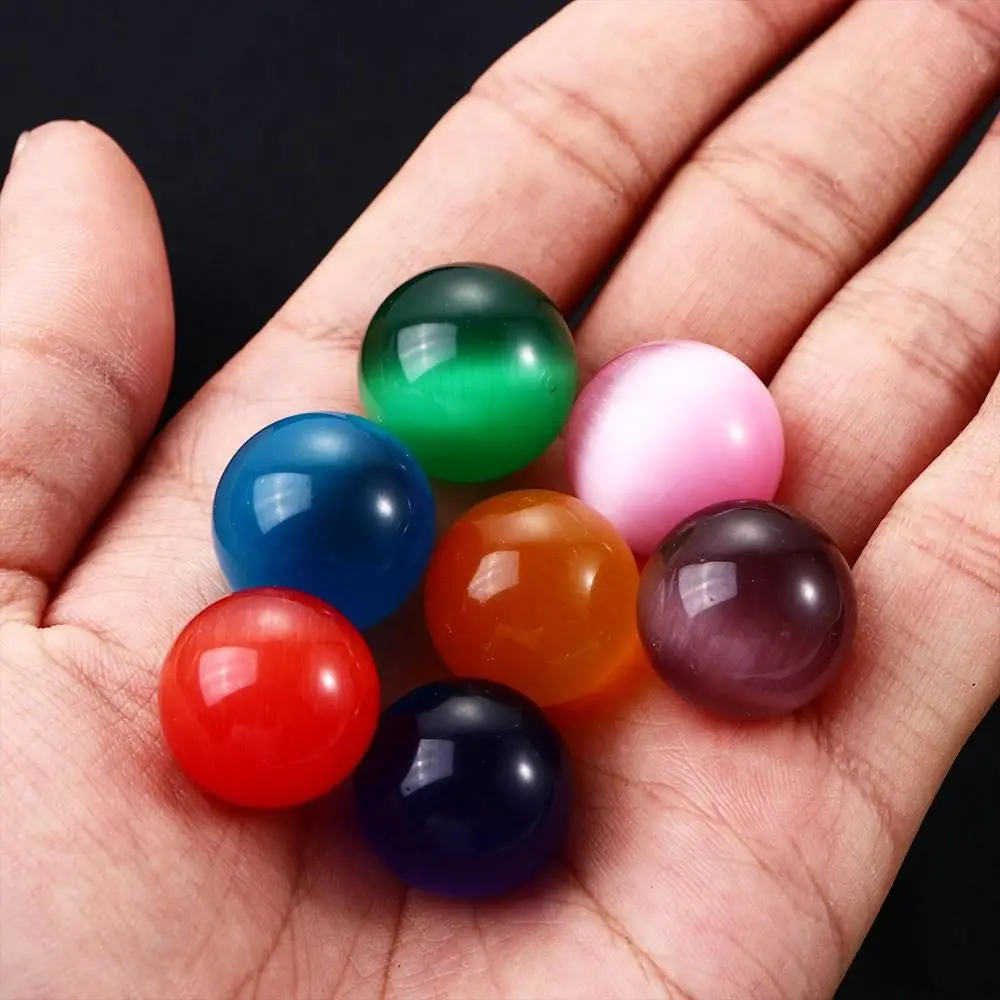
(88, 373)
(584, 133)
(933, 340)
(862, 781)
(797, 199)
(965, 547)
(25, 488)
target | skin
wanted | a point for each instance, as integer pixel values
(710, 860)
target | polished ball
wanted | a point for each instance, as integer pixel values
(268, 698)
(472, 367)
(667, 429)
(329, 504)
(535, 590)
(466, 790)
(747, 609)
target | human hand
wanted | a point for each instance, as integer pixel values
(709, 859)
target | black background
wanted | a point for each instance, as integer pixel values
(263, 130)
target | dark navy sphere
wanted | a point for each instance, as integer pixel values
(328, 504)
(466, 789)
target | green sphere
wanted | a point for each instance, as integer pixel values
(472, 367)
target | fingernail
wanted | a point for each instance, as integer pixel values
(22, 141)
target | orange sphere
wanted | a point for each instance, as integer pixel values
(534, 589)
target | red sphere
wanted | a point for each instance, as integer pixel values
(269, 698)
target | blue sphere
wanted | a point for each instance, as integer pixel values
(466, 790)
(328, 504)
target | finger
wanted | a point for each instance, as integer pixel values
(543, 168)
(793, 193)
(893, 369)
(926, 664)
(86, 350)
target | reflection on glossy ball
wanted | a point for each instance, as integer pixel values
(534, 589)
(667, 429)
(747, 609)
(328, 504)
(466, 790)
(472, 367)
(268, 698)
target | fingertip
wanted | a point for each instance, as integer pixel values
(65, 159)
(18, 147)
(77, 217)
(63, 132)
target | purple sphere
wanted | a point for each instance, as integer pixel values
(747, 609)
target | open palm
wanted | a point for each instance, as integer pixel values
(708, 860)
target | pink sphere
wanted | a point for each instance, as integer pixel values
(667, 429)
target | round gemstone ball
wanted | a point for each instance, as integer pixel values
(747, 609)
(666, 429)
(328, 504)
(472, 367)
(533, 589)
(268, 698)
(466, 789)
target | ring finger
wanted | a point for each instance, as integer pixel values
(803, 184)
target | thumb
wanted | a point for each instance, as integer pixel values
(86, 347)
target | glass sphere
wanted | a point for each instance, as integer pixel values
(472, 367)
(466, 790)
(747, 609)
(534, 589)
(666, 429)
(329, 504)
(268, 698)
